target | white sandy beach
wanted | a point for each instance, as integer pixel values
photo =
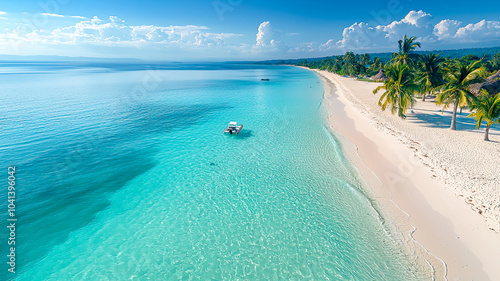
(439, 186)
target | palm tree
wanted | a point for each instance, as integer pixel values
(406, 46)
(365, 59)
(487, 109)
(459, 77)
(351, 69)
(495, 61)
(351, 66)
(337, 66)
(375, 66)
(349, 57)
(399, 89)
(430, 73)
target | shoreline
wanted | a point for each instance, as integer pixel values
(434, 224)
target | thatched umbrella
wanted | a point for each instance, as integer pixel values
(492, 87)
(494, 77)
(475, 89)
(380, 76)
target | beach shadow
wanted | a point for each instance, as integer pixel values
(437, 120)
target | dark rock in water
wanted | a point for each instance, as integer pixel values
(212, 164)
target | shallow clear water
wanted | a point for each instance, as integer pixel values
(123, 173)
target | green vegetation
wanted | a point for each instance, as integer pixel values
(349, 64)
(408, 73)
(486, 53)
(399, 89)
(457, 91)
(487, 109)
(429, 74)
(366, 80)
(406, 48)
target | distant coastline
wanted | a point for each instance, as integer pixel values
(386, 56)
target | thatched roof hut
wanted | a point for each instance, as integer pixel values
(492, 87)
(494, 77)
(380, 76)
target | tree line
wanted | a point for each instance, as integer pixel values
(408, 74)
(349, 64)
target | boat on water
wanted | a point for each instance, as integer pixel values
(264, 79)
(233, 128)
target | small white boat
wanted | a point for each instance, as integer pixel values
(233, 128)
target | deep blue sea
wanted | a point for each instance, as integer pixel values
(123, 173)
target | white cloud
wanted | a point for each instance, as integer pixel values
(364, 36)
(113, 36)
(483, 30)
(446, 29)
(414, 23)
(98, 37)
(419, 18)
(265, 34)
(447, 32)
(61, 16)
(52, 15)
(266, 40)
(359, 36)
(115, 31)
(3, 13)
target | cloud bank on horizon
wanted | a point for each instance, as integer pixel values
(362, 36)
(113, 37)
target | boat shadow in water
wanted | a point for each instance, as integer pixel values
(244, 134)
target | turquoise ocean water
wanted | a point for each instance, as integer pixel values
(123, 174)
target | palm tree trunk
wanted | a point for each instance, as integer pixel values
(454, 117)
(486, 138)
(423, 97)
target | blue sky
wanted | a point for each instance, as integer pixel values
(239, 29)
